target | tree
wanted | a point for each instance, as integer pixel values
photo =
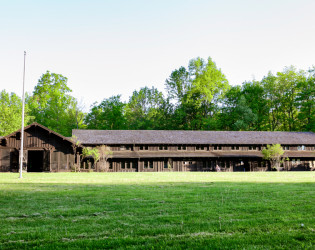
(199, 92)
(236, 114)
(104, 154)
(99, 154)
(288, 87)
(178, 84)
(255, 96)
(274, 153)
(282, 92)
(145, 109)
(245, 116)
(273, 94)
(52, 105)
(91, 152)
(109, 114)
(305, 102)
(11, 113)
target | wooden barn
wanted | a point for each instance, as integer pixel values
(44, 151)
(155, 151)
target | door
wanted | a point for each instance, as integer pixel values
(35, 161)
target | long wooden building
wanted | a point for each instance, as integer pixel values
(155, 151)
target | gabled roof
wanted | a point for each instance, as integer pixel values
(90, 137)
(41, 126)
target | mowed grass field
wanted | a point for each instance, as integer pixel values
(262, 210)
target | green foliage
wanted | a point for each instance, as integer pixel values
(198, 92)
(274, 154)
(283, 92)
(305, 102)
(99, 154)
(11, 113)
(91, 152)
(107, 115)
(52, 105)
(199, 97)
(146, 109)
(178, 84)
(261, 210)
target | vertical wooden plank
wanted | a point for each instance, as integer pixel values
(58, 162)
(67, 162)
(50, 154)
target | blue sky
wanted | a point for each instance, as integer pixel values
(108, 48)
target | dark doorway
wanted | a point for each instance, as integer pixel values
(35, 161)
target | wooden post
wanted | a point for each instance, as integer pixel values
(50, 153)
(67, 161)
(58, 162)
(78, 163)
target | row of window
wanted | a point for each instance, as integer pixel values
(148, 164)
(201, 147)
(134, 164)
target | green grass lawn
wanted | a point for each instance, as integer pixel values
(261, 210)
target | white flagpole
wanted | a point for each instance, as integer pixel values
(22, 129)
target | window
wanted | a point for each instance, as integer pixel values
(145, 147)
(134, 164)
(181, 147)
(110, 165)
(217, 147)
(123, 165)
(200, 147)
(302, 147)
(128, 164)
(235, 148)
(163, 147)
(165, 164)
(252, 148)
(286, 148)
(148, 164)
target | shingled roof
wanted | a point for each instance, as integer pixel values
(111, 137)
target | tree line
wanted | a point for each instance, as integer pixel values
(198, 97)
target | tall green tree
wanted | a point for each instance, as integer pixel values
(305, 102)
(11, 113)
(236, 112)
(199, 91)
(146, 109)
(273, 97)
(282, 92)
(255, 96)
(109, 114)
(178, 84)
(52, 105)
(288, 81)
